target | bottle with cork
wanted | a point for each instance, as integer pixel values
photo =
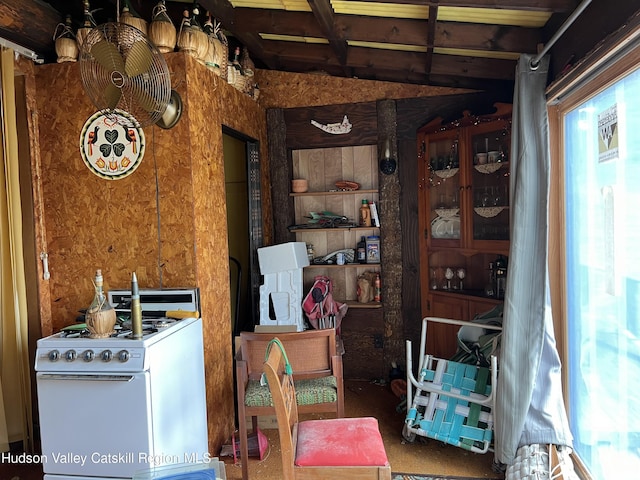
(100, 317)
(365, 214)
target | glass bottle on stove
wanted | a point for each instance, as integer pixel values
(100, 316)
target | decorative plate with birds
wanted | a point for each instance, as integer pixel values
(112, 144)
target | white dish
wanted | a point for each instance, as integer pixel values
(488, 212)
(447, 212)
(445, 227)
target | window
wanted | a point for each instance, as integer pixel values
(602, 246)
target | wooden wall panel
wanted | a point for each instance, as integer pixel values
(363, 344)
(302, 134)
(166, 221)
(290, 90)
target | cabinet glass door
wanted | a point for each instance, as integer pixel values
(444, 186)
(490, 181)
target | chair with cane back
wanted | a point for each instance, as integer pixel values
(345, 448)
(317, 370)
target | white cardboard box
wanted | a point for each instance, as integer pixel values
(282, 257)
(281, 293)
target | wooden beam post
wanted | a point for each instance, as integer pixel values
(390, 237)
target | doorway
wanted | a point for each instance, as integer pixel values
(244, 226)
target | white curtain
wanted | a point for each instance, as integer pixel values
(15, 387)
(529, 402)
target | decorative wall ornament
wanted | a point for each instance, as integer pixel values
(334, 128)
(112, 144)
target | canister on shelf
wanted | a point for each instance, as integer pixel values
(365, 214)
(373, 249)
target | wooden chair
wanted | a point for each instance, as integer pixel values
(317, 372)
(344, 448)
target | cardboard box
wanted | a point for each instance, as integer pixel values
(282, 257)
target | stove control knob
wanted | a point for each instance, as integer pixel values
(88, 355)
(123, 356)
(106, 356)
(54, 355)
(70, 355)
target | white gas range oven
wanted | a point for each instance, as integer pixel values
(111, 407)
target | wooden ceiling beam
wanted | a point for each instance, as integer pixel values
(431, 35)
(323, 12)
(401, 76)
(29, 24)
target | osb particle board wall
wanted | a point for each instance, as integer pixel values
(174, 235)
(290, 90)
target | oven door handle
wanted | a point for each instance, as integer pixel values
(89, 378)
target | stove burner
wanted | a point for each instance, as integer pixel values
(124, 329)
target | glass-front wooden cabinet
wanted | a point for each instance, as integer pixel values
(489, 184)
(464, 217)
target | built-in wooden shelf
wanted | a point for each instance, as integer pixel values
(333, 229)
(356, 304)
(346, 265)
(336, 192)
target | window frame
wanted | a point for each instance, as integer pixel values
(617, 57)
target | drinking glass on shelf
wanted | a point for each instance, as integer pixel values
(497, 198)
(448, 274)
(486, 198)
(461, 273)
(434, 280)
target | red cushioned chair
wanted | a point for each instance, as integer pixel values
(345, 448)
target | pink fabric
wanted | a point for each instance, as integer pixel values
(340, 442)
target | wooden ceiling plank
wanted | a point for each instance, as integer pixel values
(487, 68)
(402, 76)
(395, 30)
(487, 37)
(373, 59)
(303, 24)
(553, 6)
